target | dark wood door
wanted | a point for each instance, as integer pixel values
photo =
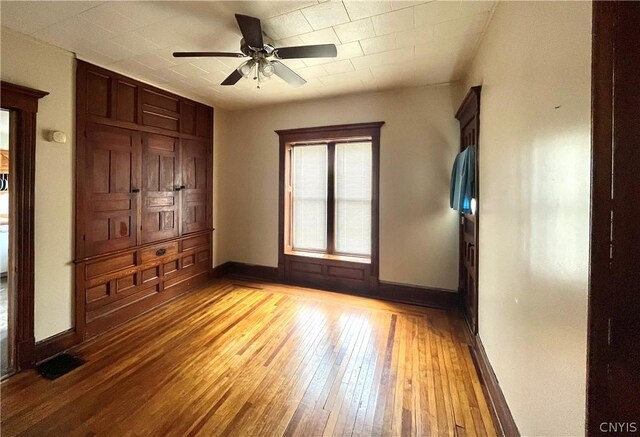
(469, 117)
(195, 179)
(160, 187)
(112, 188)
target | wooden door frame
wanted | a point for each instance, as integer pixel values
(24, 102)
(602, 291)
(470, 110)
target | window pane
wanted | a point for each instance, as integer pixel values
(310, 197)
(353, 198)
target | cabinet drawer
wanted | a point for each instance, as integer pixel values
(159, 252)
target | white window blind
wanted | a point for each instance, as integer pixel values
(309, 166)
(353, 164)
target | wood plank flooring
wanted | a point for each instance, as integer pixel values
(247, 359)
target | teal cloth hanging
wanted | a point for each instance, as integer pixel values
(463, 180)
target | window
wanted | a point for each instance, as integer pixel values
(338, 173)
(329, 202)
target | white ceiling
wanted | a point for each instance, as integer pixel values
(381, 44)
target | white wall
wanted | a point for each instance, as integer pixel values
(418, 230)
(33, 64)
(534, 68)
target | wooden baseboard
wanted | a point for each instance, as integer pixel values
(401, 293)
(219, 271)
(502, 417)
(252, 271)
(417, 295)
(55, 345)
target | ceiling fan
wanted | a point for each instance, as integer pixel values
(254, 47)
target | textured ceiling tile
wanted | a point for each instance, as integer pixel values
(161, 35)
(404, 55)
(213, 64)
(379, 44)
(294, 63)
(110, 49)
(154, 61)
(310, 72)
(326, 14)
(324, 36)
(73, 33)
(189, 70)
(396, 21)
(145, 13)
(356, 30)
(349, 77)
(282, 7)
(286, 25)
(89, 55)
(402, 4)
(414, 37)
(289, 42)
(455, 28)
(169, 75)
(136, 44)
(144, 34)
(109, 18)
(338, 67)
(361, 9)
(30, 16)
(441, 11)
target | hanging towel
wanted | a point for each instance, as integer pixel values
(463, 180)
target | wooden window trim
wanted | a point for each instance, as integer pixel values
(327, 135)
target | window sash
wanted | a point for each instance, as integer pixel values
(340, 200)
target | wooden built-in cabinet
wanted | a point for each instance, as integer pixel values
(143, 196)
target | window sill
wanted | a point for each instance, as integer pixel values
(353, 259)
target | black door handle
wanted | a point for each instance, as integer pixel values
(161, 252)
(135, 190)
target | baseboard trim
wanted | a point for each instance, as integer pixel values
(251, 271)
(55, 345)
(219, 271)
(418, 295)
(400, 293)
(502, 416)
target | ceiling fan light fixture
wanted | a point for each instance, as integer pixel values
(247, 68)
(266, 69)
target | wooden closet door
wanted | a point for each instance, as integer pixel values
(160, 187)
(112, 189)
(195, 177)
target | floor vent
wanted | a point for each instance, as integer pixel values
(58, 366)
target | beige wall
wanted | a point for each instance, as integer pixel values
(534, 67)
(418, 231)
(36, 65)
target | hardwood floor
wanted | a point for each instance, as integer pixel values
(247, 359)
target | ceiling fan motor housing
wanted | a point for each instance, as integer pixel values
(267, 49)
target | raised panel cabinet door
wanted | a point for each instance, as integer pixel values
(160, 187)
(195, 194)
(112, 189)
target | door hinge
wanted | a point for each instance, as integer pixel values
(609, 331)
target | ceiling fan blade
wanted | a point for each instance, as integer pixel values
(207, 54)
(251, 31)
(287, 74)
(233, 78)
(316, 51)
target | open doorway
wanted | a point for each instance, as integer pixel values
(19, 107)
(7, 349)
